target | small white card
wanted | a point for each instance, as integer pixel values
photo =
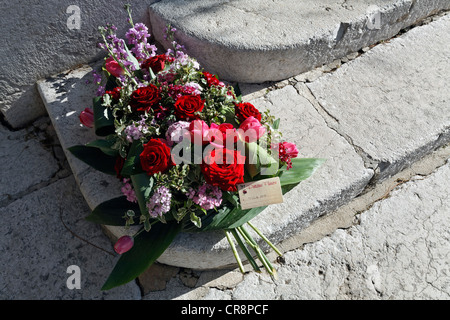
(260, 193)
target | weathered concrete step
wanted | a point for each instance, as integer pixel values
(254, 41)
(393, 103)
(366, 115)
(339, 180)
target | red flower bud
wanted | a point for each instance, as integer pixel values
(124, 244)
(87, 118)
(113, 67)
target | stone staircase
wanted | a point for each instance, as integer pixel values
(371, 113)
(255, 41)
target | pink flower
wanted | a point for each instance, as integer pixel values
(286, 152)
(290, 149)
(207, 196)
(128, 191)
(124, 244)
(218, 135)
(113, 67)
(87, 118)
(176, 132)
(251, 130)
(199, 130)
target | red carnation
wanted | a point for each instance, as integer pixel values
(224, 168)
(187, 107)
(245, 110)
(156, 157)
(143, 99)
(114, 93)
(212, 79)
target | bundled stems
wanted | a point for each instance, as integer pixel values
(236, 255)
(244, 239)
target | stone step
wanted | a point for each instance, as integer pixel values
(342, 178)
(254, 41)
(366, 118)
(393, 103)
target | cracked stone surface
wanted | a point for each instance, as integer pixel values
(25, 163)
(392, 102)
(37, 249)
(399, 249)
(261, 40)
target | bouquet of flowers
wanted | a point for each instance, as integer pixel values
(190, 153)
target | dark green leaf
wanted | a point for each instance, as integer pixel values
(228, 218)
(239, 217)
(237, 92)
(95, 158)
(111, 212)
(148, 247)
(111, 83)
(132, 165)
(104, 125)
(142, 183)
(105, 146)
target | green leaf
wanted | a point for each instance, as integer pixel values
(259, 161)
(111, 212)
(302, 169)
(276, 124)
(103, 119)
(237, 92)
(142, 183)
(95, 158)
(105, 146)
(227, 218)
(132, 165)
(132, 59)
(148, 247)
(196, 220)
(238, 217)
(110, 83)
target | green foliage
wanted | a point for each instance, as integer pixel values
(148, 247)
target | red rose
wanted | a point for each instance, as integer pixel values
(156, 63)
(143, 99)
(223, 168)
(186, 107)
(211, 79)
(245, 110)
(156, 157)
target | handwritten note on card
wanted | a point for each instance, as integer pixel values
(260, 193)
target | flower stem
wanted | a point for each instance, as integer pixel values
(262, 257)
(265, 239)
(236, 255)
(245, 250)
